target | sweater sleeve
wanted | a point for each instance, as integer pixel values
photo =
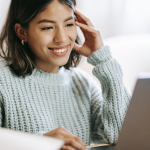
(109, 108)
(1, 114)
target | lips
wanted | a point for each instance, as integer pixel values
(60, 47)
(51, 49)
(59, 51)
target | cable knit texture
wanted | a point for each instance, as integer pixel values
(42, 101)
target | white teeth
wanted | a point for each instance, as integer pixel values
(60, 50)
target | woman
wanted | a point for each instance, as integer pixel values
(42, 92)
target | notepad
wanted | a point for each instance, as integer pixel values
(18, 140)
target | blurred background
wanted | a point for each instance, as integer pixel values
(124, 26)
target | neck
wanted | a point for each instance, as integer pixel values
(47, 67)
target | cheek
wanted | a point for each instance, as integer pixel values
(38, 38)
(73, 34)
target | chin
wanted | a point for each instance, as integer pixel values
(61, 63)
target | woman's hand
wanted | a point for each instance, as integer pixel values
(93, 40)
(71, 142)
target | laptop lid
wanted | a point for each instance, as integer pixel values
(135, 133)
(17, 140)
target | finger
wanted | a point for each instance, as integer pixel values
(77, 47)
(76, 19)
(86, 27)
(82, 17)
(67, 148)
(68, 135)
(74, 144)
(79, 141)
(65, 130)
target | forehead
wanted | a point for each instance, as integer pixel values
(56, 11)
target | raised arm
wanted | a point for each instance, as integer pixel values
(109, 109)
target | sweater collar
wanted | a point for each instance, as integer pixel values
(62, 77)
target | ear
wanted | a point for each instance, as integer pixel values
(21, 32)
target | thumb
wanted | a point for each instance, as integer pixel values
(77, 47)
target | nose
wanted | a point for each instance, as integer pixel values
(60, 36)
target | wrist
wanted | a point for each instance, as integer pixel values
(100, 55)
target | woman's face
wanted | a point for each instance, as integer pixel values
(51, 36)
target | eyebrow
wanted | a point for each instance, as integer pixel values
(52, 21)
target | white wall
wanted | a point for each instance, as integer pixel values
(125, 27)
(117, 17)
(4, 4)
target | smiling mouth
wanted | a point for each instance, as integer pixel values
(59, 50)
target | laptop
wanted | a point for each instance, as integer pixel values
(18, 140)
(135, 132)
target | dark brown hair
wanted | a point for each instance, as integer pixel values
(21, 59)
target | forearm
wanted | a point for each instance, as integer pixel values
(116, 100)
(115, 95)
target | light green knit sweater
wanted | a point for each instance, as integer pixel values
(44, 101)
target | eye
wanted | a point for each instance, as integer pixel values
(69, 25)
(47, 28)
